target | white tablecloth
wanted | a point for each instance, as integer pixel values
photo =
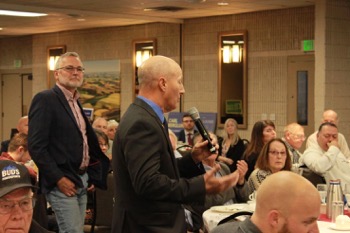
(211, 217)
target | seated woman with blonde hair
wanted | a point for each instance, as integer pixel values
(231, 146)
(274, 157)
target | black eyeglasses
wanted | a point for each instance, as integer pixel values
(7, 206)
(71, 69)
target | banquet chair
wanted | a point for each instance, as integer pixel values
(103, 202)
(233, 217)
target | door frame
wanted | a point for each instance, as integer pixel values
(301, 63)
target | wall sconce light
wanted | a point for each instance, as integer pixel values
(143, 55)
(53, 53)
(142, 50)
(232, 53)
(52, 62)
(226, 54)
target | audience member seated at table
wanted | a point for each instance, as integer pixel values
(173, 140)
(187, 133)
(100, 123)
(104, 145)
(239, 193)
(274, 157)
(18, 151)
(332, 117)
(263, 131)
(112, 126)
(285, 202)
(294, 138)
(103, 142)
(325, 157)
(231, 146)
(22, 127)
(16, 199)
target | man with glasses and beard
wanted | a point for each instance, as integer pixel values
(64, 146)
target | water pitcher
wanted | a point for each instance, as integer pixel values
(334, 193)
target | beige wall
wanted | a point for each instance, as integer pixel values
(333, 52)
(272, 37)
(105, 44)
(18, 48)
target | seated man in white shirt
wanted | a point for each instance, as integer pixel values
(332, 117)
(325, 157)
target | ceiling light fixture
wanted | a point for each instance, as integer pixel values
(21, 13)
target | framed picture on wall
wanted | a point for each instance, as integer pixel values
(101, 89)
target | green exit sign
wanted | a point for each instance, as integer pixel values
(308, 45)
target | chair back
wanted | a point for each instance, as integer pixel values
(234, 216)
(104, 202)
(312, 176)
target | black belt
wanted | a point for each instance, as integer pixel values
(82, 171)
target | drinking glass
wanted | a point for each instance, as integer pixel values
(337, 209)
(322, 190)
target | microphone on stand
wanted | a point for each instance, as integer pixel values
(193, 112)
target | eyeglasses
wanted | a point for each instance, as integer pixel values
(71, 69)
(276, 153)
(7, 206)
(298, 136)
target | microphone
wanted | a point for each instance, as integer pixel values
(193, 112)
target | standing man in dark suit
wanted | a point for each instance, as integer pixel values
(64, 146)
(149, 190)
(186, 135)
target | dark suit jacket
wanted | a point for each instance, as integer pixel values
(55, 142)
(149, 190)
(182, 136)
